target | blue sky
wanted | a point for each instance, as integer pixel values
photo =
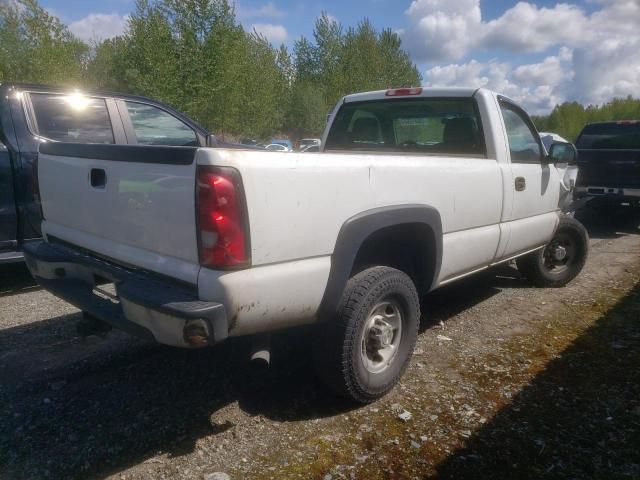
(540, 52)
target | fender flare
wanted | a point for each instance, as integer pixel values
(357, 229)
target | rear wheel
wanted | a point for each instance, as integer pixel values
(561, 260)
(363, 353)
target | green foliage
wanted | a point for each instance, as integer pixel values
(194, 55)
(37, 47)
(342, 62)
(568, 119)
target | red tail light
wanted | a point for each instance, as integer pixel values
(401, 92)
(223, 233)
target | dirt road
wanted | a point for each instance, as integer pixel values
(507, 381)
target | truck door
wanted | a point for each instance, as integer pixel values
(8, 217)
(531, 219)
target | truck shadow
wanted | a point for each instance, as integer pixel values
(15, 278)
(451, 300)
(78, 408)
(579, 417)
(608, 224)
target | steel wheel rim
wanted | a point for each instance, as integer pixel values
(381, 336)
(559, 254)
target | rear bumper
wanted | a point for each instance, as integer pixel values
(143, 305)
(614, 194)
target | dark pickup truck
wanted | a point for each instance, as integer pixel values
(33, 114)
(609, 163)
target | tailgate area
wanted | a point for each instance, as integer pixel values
(132, 203)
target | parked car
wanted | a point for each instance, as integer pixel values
(309, 142)
(283, 141)
(549, 137)
(278, 147)
(567, 186)
(34, 114)
(310, 148)
(417, 188)
(609, 163)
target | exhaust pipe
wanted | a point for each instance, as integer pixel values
(196, 333)
(261, 349)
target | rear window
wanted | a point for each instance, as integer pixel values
(613, 136)
(425, 125)
(72, 118)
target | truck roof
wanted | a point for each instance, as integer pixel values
(614, 122)
(426, 92)
(68, 89)
(37, 87)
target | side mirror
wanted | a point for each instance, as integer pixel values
(562, 152)
(212, 141)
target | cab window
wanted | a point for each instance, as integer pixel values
(154, 126)
(72, 118)
(420, 125)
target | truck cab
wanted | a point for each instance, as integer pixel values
(34, 114)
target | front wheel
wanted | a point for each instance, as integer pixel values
(561, 260)
(363, 353)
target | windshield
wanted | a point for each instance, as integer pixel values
(438, 125)
(613, 136)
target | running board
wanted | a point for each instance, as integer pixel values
(11, 257)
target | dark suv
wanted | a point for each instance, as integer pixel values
(32, 114)
(609, 163)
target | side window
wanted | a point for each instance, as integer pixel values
(72, 118)
(523, 142)
(154, 126)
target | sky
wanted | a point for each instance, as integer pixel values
(540, 52)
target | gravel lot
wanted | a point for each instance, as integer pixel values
(507, 381)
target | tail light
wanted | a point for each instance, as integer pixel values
(402, 92)
(223, 233)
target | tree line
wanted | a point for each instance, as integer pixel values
(568, 118)
(195, 56)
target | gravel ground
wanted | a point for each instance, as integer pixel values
(507, 381)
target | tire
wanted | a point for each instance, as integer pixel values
(544, 268)
(363, 352)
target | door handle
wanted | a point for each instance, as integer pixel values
(521, 184)
(98, 178)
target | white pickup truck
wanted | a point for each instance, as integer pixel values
(414, 188)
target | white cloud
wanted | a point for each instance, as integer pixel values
(607, 69)
(535, 86)
(267, 10)
(596, 56)
(553, 70)
(99, 26)
(442, 29)
(527, 28)
(448, 29)
(276, 34)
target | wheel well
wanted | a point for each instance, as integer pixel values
(410, 247)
